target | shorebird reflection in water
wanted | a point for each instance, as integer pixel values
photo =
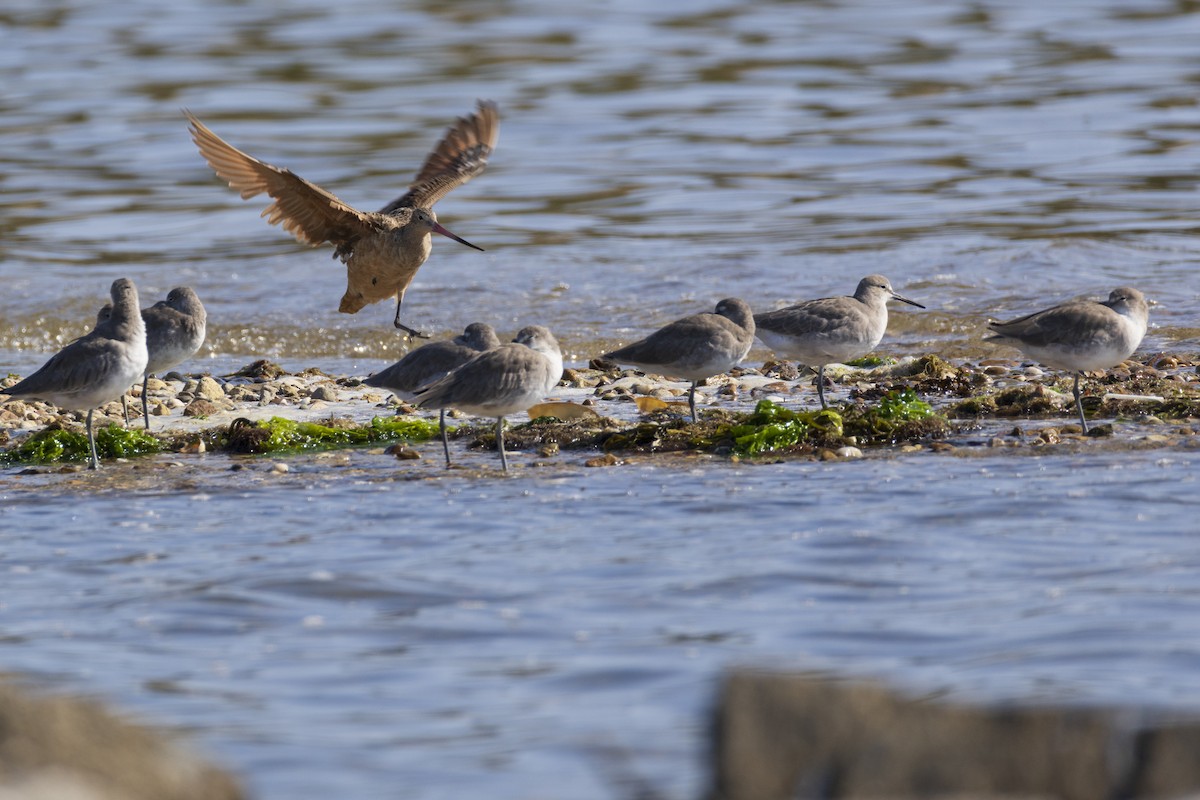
(1079, 336)
(96, 368)
(831, 330)
(435, 360)
(502, 381)
(382, 250)
(695, 347)
(175, 330)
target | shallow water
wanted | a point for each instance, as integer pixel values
(356, 625)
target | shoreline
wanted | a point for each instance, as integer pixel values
(996, 403)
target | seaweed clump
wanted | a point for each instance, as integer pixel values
(56, 443)
(899, 415)
(277, 434)
(771, 428)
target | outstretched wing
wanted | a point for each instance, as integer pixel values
(307, 211)
(460, 155)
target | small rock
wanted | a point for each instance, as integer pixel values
(942, 447)
(200, 408)
(280, 468)
(828, 455)
(326, 393)
(606, 460)
(548, 450)
(995, 369)
(402, 452)
(1033, 372)
(848, 452)
(209, 389)
(1101, 430)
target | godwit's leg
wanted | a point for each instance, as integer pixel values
(821, 385)
(692, 400)
(401, 326)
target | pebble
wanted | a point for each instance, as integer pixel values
(200, 408)
(995, 369)
(403, 452)
(208, 389)
(606, 460)
(848, 452)
(326, 393)
(280, 467)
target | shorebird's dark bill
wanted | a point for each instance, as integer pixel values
(439, 229)
(903, 299)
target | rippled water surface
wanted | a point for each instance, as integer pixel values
(357, 628)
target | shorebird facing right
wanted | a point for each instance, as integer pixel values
(96, 368)
(695, 347)
(1079, 336)
(435, 360)
(382, 250)
(175, 330)
(500, 382)
(832, 329)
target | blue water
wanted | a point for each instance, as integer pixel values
(346, 630)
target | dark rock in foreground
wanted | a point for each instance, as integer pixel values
(63, 748)
(779, 737)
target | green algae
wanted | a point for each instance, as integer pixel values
(278, 435)
(59, 444)
(899, 415)
(869, 362)
(771, 427)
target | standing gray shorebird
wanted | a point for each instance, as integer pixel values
(695, 347)
(1079, 336)
(435, 360)
(382, 250)
(96, 368)
(175, 330)
(832, 329)
(499, 382)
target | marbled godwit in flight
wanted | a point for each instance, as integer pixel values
(382, 249)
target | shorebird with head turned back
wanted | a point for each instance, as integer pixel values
(695, 347)
(382, 250)
(501, 381)
(175, 330)
(832, 329)
(1079, 336)
(96, 368)
(435, 360)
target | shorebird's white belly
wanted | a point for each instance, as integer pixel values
(819, 349)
